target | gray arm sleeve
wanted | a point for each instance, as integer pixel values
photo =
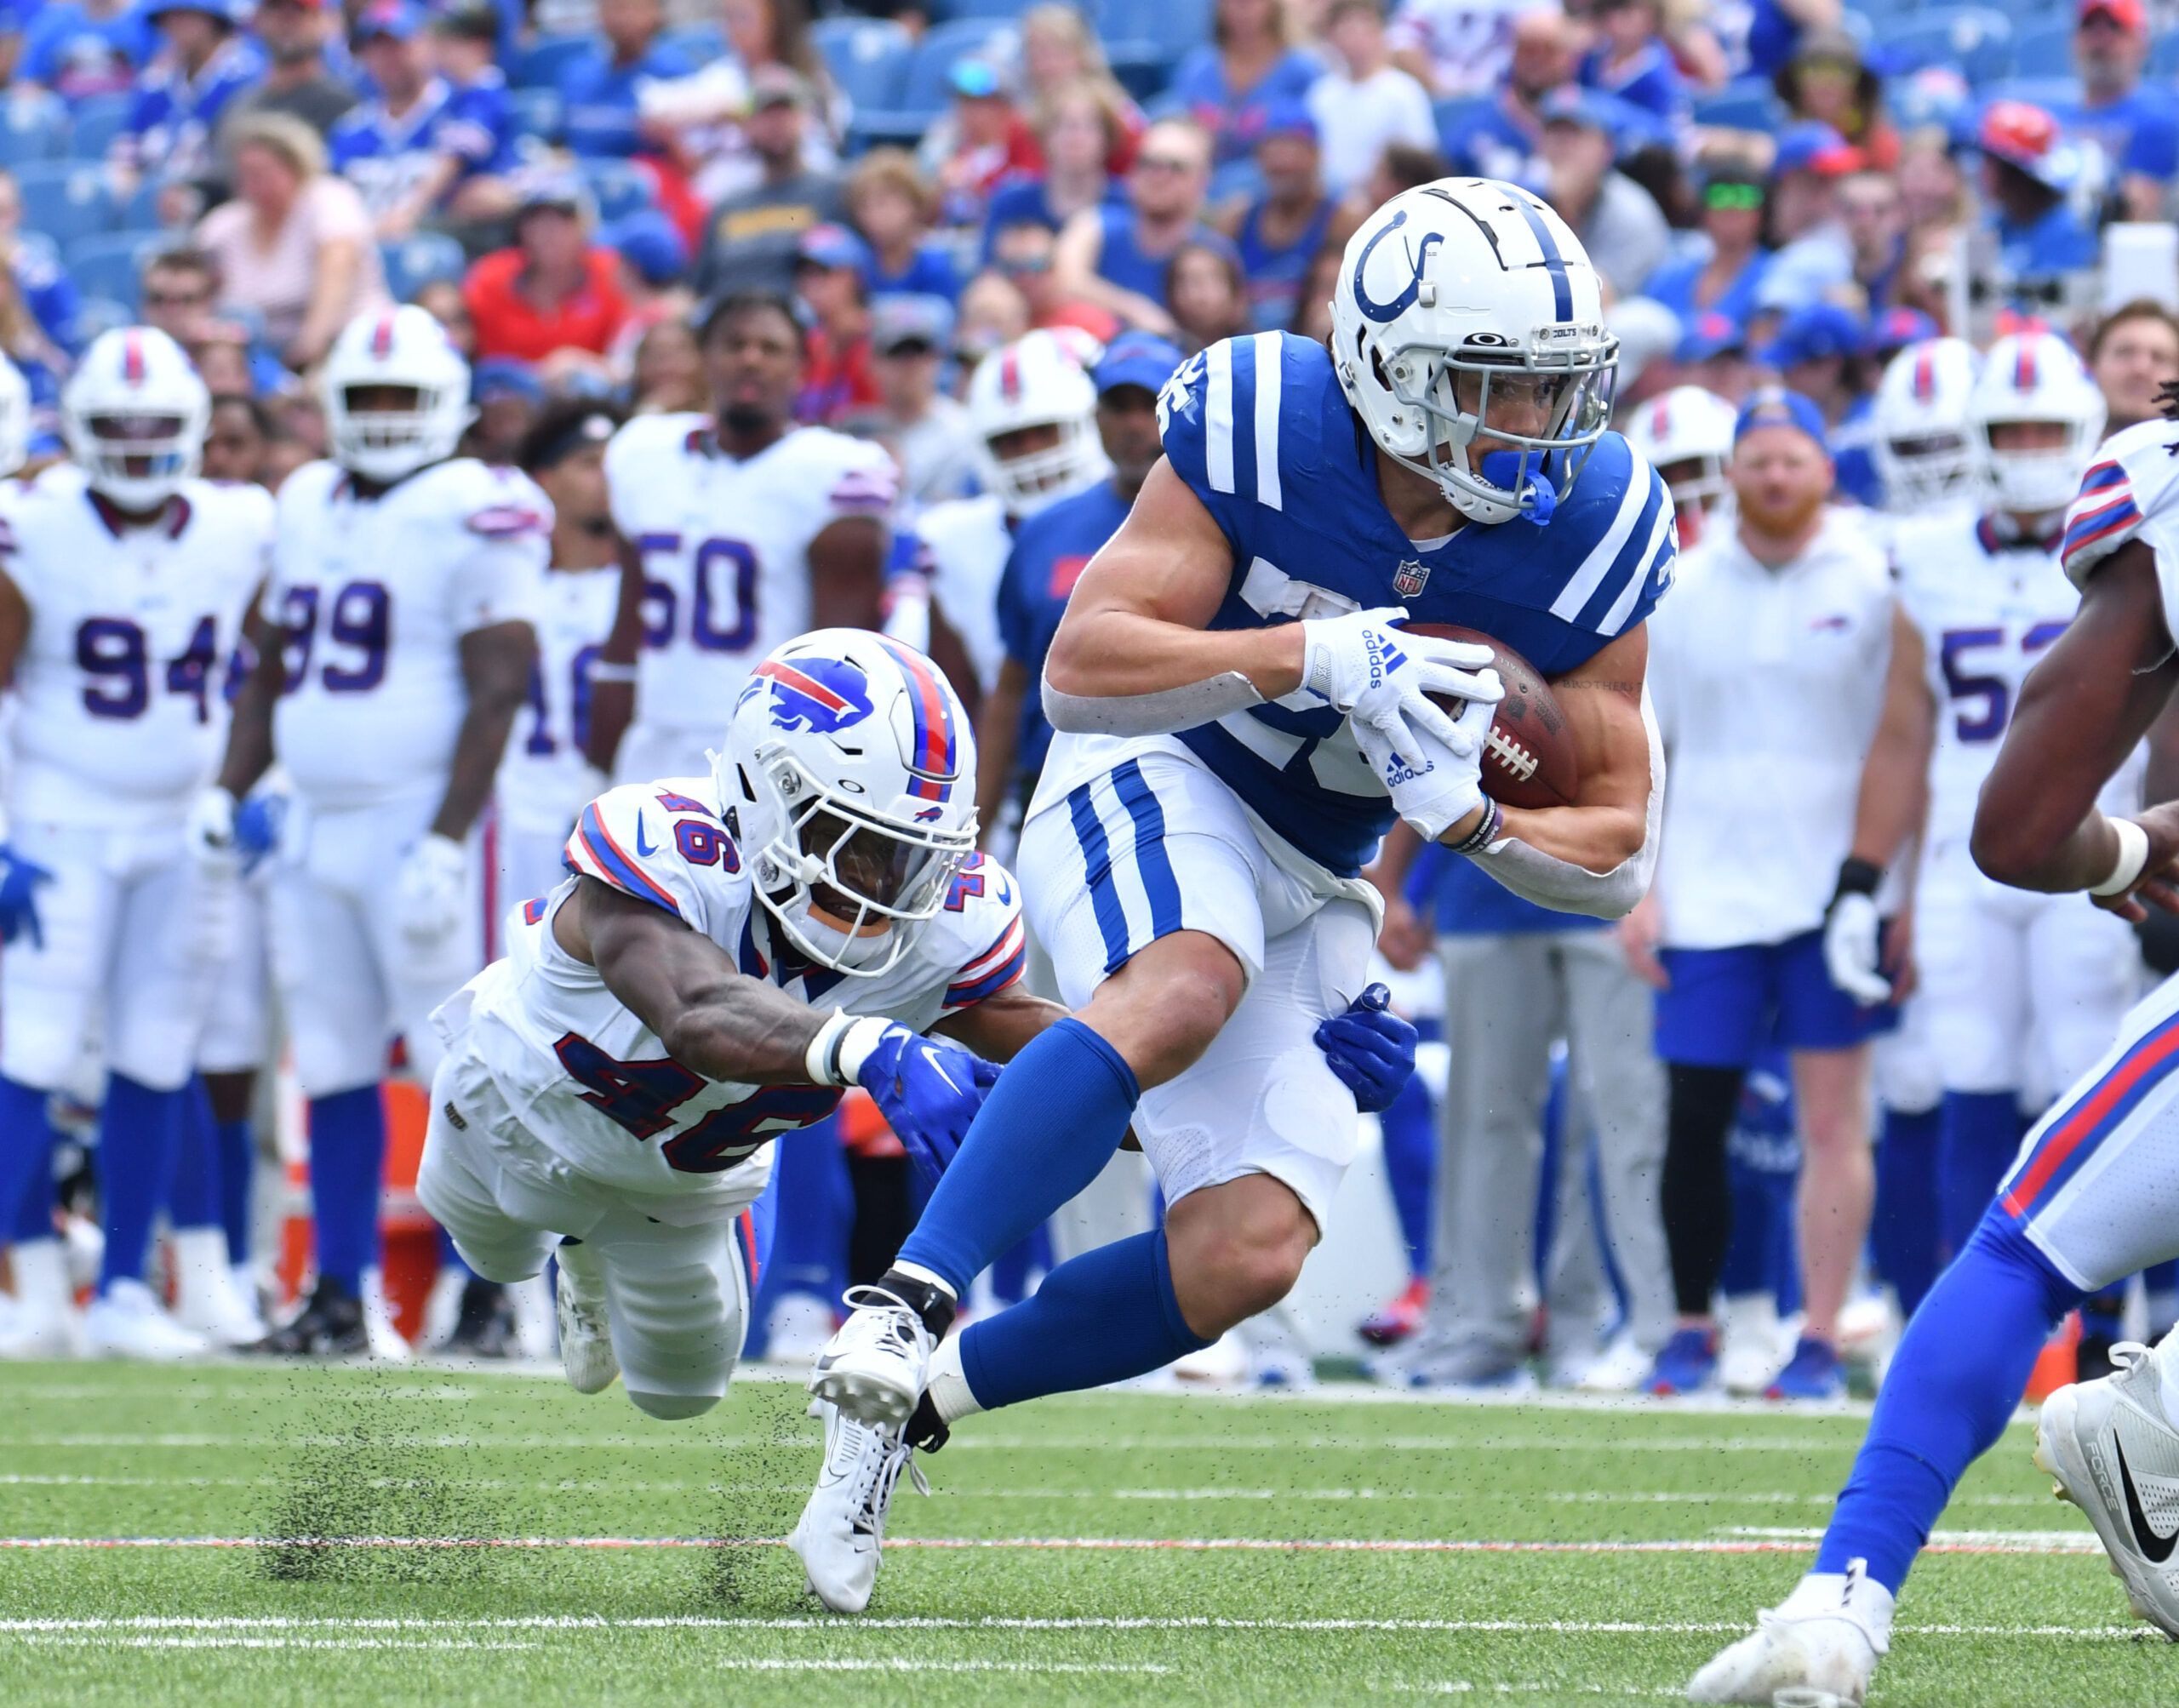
(1556, 883)
(1167, 710)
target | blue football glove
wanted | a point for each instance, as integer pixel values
(929, 1091)
(258, 822)
(18, 882)
(1370, 1049)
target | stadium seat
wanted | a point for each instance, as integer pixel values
(33, 126)
(620, 187)
(140, 212)
(420, 260)
(1158, 30)
(1744, 104)
(95, 122)
(65, 199)
(2044, 92)
(924, 88)
(539, 65)
(1974, 39)
(537, 113)
(2044, 49)
(868, 57)
(107, 266)
(102, 314)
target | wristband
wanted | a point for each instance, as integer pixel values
(2133, 855)
(843, 1044)
(1857, 876)
(1486, 831)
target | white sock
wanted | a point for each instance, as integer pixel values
(1850, 1594)
(916, 1271)
(949, 1387)
(41, 1268)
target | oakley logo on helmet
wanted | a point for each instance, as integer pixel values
(821, 695)
(1404, 299)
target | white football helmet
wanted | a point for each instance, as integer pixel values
(1467, 311)
(2035, 376)
(850, 769)
(1686, 435)
(134, 414)
(1036, 381)
(405, 349)
(1921, 449)
(14, 418)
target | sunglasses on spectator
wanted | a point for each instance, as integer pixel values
(1025, 264)
(1164, 162)
(1733, 197)
(173, 299)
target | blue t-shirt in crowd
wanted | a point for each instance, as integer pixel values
(75, 55)
(47, 291)
(1235, 118)
(2057, 242)
(1120, 261)
(1275, 276)
(2138, 133)
(385, 158)
(929, 272)
(1497, 143)
(1050, 550)
(1773, 32)
(598, 98)
(171, 120)
(1020, 199)
(1673, 284)
(1649, 81)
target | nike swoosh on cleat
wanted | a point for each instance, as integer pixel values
(2155, 1548)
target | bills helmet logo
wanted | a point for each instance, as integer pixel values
(1411, 579)
(821, 695)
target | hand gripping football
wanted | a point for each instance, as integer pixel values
(1529, 760)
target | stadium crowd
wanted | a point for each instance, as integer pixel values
(1781, 193)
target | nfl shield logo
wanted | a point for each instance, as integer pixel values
(1410, 578)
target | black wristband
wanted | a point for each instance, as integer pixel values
(1857, 876)
(1486, 831)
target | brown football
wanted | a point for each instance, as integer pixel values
(1529, 760)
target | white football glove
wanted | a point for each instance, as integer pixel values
(433, 885)
(210, 831)
(1852, 955)
(1382, 679)
(1448, 785)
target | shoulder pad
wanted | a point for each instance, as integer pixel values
(858, 476)
(1613, 545)
(1242, 421)
(660, 846)
(2129, 481)
(987, 945)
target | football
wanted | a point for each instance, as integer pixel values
(1529, 760)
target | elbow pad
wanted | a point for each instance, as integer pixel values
(1161, 713)
(1558, 884)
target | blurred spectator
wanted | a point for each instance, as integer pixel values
(1252, 64)
(293, 248)
(1812, 254)
(654, 272)
(1932, 189)
(1821, 353)
(981, 140)
(1617, 222)
(1022, 254)
(220, 355)
(598, 89)
(2029, 172)
(1506, 139)
(203, 63)
(1723, 269)
(1115, 257)
(1827, 82)
(761, 33)
(1632, 61)
(1208, 294)
(667, 373)
(992, 312)
(554, 298)
(465, 50)
(41, 279)
(1875, 222)
(1712, 353)
(927, 431)
(79, 49)
(1059, 52)
(416, 151)
(2137, 126)
(293, 34)
(235, 442)
(443, 301)
(1398, 167)
(1076, 126)
(1365, 102)
(892, 207)
(176, 291)
(754, 236)
(1278, 234)
(509, 396)
(1312, 302)
(831, 276)
(1460, 47)
(1765, 34)
(2133, 354)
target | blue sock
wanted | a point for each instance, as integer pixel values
(26, 1141)
(1103, 1316)
(1905, 1233)
(1050, 1124)
(1957, 1374)
(1748, 1267)
(237, 1144)
(140, 1132)
(1411, 1129)
(1979, 1135)
(347, 1163)
(194, 1202)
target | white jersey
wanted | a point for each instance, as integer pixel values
(121, 713)
(375, 595)
(724, 547)
(968, 542)
(2128, 492)
(544, 781)
(594, 1083)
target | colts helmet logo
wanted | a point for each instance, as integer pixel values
(819, 694)
(1410, 578)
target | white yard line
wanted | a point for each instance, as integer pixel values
(1205, 1440)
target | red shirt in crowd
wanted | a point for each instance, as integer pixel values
(509, 324)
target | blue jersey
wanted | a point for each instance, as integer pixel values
(929, 272)
(599, 98)
(386, 157)
(1649, 81)
(1121, 260)
(2138, 133)
(172, 116)
(1275, 276)
(1261, 431)
(1051, 549)
(76, 55)
(47, 291)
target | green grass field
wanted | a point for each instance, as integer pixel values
(1013, 1609)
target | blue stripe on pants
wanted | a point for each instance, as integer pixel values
(1150, 857)
(1097, 861)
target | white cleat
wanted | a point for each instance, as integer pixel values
(1620, 1368)
(1817, 1649)
(1752, 1345)
(587, 1354)
(206, 1302)
(44, 1323)
(125, 1321)
(841, 1534)
(2111, 1450)
(876, 1364)
(384, 1338)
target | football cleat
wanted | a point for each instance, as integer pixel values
(128, 1322)
(1620, 1369)
(2111, 1448)
(1813, 1373)
(330, 1325)
(841, 1534)
(483, 1328)
(876, 1365)
(1815, 1650)
(1687, 1364)
(45, 1323)
(382, 1337)
(1399, 1316)
(1751, 1347)
(206, 1302)
(587, 1354)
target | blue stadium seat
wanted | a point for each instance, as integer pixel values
(107, 266)
(1744, 104)
(1161, 29)
(1456, 117)
(539, 65)
(701, 42)
(2044, 92)
(1974, 39)
(868, 57)
(420, 260)
(97, 121)
(140, 212)
(65, 199)
(2044, 49)
(618, 187)
(537, 113)
(925, 91)
(100, 314)
(33, 126)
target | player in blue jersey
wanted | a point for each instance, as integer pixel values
(1240, 721)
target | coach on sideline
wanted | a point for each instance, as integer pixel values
(1768, 664)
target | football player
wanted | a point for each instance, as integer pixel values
(123, 582)
(1921, 447)
(2088, 1200)
(740, 530)
(1686, 435)
(397, 651)
(1241, 719)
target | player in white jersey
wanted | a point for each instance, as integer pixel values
(545, 778)
(1921, 448)
(124, 583)
(1686, 435)
(740, 530)
(398, 652)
